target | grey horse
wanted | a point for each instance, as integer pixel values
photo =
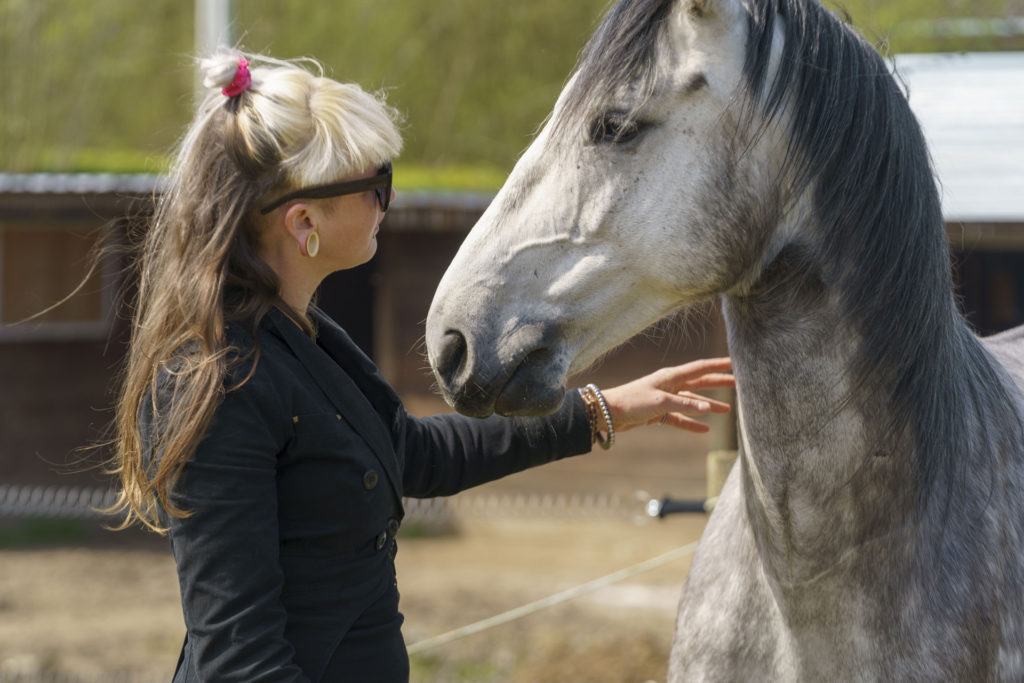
(761, 152)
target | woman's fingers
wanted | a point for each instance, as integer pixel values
(692, 404)
(698, 402)
(682, 422)
(666, 392)
(687, 404)
(710, 373)
(711, 381)
(704, 366)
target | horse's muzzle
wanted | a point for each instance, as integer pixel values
(517, 374)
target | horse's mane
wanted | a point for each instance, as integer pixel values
(853, 136)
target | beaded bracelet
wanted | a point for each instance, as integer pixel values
(593, 399)
(591, 407)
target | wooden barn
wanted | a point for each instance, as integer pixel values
(971, 107)
(57, 373)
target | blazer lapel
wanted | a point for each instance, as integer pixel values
(350, 401)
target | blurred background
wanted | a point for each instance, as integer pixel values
(107, 85)
(93, 93)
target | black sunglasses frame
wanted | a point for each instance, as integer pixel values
(380, 184)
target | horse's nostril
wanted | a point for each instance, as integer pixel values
(452, 355)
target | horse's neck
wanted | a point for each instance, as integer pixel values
(830, 506)
(818, 483)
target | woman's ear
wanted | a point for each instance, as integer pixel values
(300, 222)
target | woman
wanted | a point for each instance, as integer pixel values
(256, 434)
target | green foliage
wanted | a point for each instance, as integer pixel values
(474, 78)
(456, 177)
(32, 533)
(915, 25)
(458, 669)
(90, 74)
(74, 159)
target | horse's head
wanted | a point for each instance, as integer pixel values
(639, 195)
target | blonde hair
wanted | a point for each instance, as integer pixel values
(198, 266)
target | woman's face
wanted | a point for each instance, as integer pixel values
(348, 227)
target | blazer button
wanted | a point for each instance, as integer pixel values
(393, 525)
(382, 539)
(370, 480)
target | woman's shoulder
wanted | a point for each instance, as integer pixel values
(246, 355)
(254, 355)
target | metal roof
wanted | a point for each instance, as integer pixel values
(78, 183)
(971, 107)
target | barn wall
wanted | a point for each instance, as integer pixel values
(57, 389)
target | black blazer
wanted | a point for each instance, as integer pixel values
(296, 494)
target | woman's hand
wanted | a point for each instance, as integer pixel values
(668, 391)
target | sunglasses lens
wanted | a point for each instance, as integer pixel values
(384, 193)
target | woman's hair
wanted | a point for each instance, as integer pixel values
(198, 266)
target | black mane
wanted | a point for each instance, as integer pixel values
(853, 134)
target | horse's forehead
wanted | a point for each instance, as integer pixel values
(712, 46)
(665, 64)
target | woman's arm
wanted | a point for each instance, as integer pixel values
(446, 454)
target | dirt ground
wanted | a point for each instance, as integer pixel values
(621, 632)
(98, 606)
(111, 611)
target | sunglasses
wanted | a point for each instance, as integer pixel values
(380, 184)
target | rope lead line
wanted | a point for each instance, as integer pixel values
(552, 600)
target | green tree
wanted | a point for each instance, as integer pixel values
(108, 84)
(83, 79)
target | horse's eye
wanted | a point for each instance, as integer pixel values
(614, 128)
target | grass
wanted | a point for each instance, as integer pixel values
(97, 160)
(460, 178)
(437, 668)
(32, 533)
(443, 178)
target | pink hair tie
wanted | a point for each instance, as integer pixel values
(242, 80)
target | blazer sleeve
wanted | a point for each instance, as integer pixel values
(446, 454)
(227, 550)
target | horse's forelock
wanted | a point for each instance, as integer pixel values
(619, 56)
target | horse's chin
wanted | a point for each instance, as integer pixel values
(527, 395)
(521, 373)
(528, 391)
